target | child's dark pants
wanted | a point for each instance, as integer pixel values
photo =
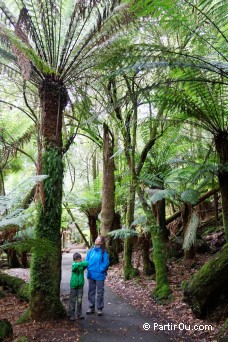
(75, 301)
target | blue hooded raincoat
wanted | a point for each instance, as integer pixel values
(98, 263)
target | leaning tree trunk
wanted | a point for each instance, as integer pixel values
(221, 143)
(46, 267)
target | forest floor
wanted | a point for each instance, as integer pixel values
(60, 330)
(136, 292)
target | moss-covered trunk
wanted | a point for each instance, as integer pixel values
(221, 143)
(203, 290)
(46, 267)
(162, 290)
(129, 270)
(148, 265)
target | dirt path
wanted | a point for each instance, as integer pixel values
(120, 322)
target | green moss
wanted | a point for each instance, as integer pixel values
(22, 339)
(46, 268)
(210, 280)
(6, 329)
(25, 317)
(162, 290)
(130, 272)
(162, 293)
(2, 293)
(223, 332)
(184, 284)
(19, 286)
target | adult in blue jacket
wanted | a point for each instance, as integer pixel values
(98, 262)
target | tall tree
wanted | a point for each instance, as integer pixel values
(108, 184)
(53, 43)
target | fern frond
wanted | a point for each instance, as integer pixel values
(190, 196)
(40, 245)
(158, 195)
(190, 234)
(123, 233)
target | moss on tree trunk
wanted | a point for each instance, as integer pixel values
(46, 267)
(129, 271)
(148, 265)
(162, 290)
(203, 290)
(221, 143)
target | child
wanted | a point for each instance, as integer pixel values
(76, 286)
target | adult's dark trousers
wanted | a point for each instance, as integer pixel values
(96, 288)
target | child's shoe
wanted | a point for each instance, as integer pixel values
(80, 317)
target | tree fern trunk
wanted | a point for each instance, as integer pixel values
(148, 265)
(108, 193)
(162, 290)
(108, 185)
(221, 143)
(46, 267)
(129, 270)
(92, 221)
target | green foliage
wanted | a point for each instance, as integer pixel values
(140, 220)
(58, 38)
(160, 194)
(89, 198)
(14, 218)
(28, 244)
(190, 196)
(123, 233)
(16, 196)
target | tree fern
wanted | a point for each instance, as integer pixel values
(123, 233)
(190, 233)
